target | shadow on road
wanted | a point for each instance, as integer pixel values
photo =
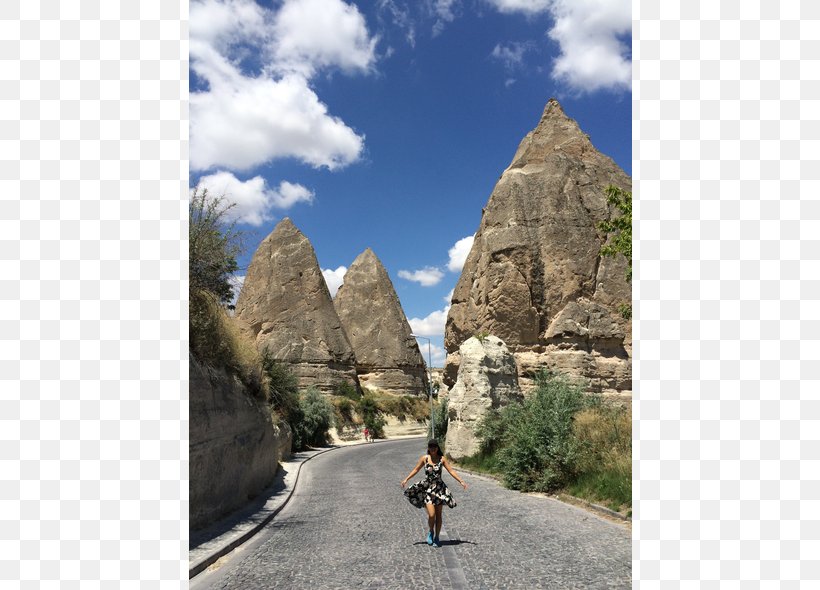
(445, 542)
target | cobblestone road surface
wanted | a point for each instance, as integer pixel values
(349, 526)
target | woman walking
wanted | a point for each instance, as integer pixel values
(431, 492)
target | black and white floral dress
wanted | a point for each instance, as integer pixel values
(431, 489)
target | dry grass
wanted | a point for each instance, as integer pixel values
(220, 340)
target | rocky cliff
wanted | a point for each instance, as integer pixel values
(487, 379)
(387, 356)
(235, 445)
(286, 303)
(534, 276)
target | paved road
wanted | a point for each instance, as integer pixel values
(349, 526)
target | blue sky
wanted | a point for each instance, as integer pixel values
(386, 123)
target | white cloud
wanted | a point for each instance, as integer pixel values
(511, 55)
(459, 252)
(523, 6)
(315, 34)
(253, 198)
(592, 57)
(426, 277)
(449, 297)
(334, 278)
(432, 325)
(243, 120)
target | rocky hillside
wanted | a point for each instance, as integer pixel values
(286, 303)
(535, 277)
(387, 356)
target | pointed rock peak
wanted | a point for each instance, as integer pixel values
(553, 108)
(286, 225)
(367, 257)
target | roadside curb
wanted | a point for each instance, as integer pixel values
(229, 540)
(581, 501)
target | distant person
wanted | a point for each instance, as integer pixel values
(431, 492)
(366, 434)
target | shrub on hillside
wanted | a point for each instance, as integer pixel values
(440, 421)
(534, 442)
(605, 459)
(368, 408)
(315, 419)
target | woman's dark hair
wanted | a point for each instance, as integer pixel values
(434, 443)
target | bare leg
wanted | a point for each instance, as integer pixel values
(431, 516)
(438, 519)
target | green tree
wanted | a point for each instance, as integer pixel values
(214, 244)
(619, 228)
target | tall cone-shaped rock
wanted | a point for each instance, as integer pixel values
(286, 303)
(387, 356)
(535, 277)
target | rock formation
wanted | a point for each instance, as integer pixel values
(534, 276)
(487, 378)
(286, 303)
(235, 445)
(387, 356)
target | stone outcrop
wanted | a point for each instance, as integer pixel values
(487, 378)
(387, 356)
(287, 306)
(235, 445)
(534, 276)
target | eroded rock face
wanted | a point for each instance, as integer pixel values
(286, 303)
(235, 445)
(387, 356)
(534, 276)
(487, 378)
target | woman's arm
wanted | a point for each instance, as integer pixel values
(412, 473)
(453, 473)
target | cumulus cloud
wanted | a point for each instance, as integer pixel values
(253, 198)
(459, 252)
(589, 34)
(432, 325)
(592, 55)
(426, 277)
(449, 297)
(334, 278)
(314, 34)
(245, 119)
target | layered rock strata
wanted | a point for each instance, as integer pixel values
(387, 356)
(235, 445)
(287, 306)
(535, 276)
(487, 379)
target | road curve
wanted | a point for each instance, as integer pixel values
(349, 526)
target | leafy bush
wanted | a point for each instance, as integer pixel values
(213, 244)
(281, 384)
(371, 414)
(440, 421)
(315, 415)
(534, 441)
(343, 416)
(347, 389)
